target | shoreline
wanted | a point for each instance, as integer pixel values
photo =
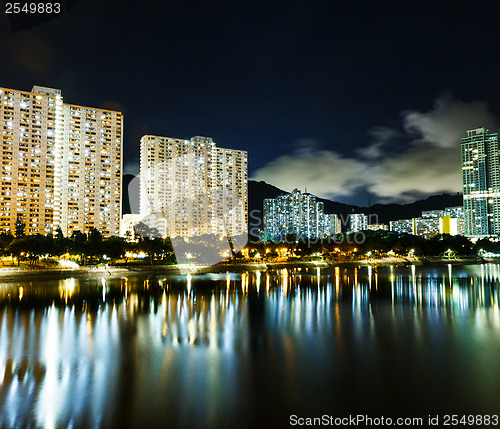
(48, 273)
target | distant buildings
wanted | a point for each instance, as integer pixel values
(192, 187)
(403, 226)
(61, 164)
(335, 224)
(295, 214)
(481, 183)
(432, 222)
(358, 222)
(377, 227)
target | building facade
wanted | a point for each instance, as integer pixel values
(457, 212)
(194, 186)
(481, 183)
(377, 227)
(432, 222)
(295, 214)
(428, 226)
(402, 226)
(432, 214)
(61, 164)
(335, 224)
(358, 222)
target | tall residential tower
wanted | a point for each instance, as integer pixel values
(61, 164)
(481, 183)
(192, 187)
(295, 214)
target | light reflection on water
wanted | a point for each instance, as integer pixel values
(252, 348)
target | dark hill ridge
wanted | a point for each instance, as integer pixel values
(258, 191)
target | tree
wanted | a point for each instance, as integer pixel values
(142, 230)
(94, 243)
(78, 244)
(5, 240)
(113, 247)
(60, 243)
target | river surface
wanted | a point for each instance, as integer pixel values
(249, 350)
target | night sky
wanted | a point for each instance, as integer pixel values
(351, 99)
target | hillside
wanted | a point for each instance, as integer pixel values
(259, 191)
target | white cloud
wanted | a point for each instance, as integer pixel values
(422, 169)
(324, 173)
(447, 122)
(428, 164)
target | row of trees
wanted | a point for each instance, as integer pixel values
(88, 248)
(378, 243)
(92, 248)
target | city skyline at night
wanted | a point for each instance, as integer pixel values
(326, 82)
(61, 164)
(259, 214)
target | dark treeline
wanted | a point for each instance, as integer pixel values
(88, 248)
(92, 248)
(379, 243)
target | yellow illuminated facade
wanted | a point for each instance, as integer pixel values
(61, 164)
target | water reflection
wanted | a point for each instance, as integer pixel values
(99, 352)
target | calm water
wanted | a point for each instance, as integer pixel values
(249, 350)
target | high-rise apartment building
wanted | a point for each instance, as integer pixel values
(481, 183)
(402, 226)
(335, 224)
(457, 211)
(358, 222)
(428, 226)
(432, 222)
(194, 186)
(61, 164)
(295, 214)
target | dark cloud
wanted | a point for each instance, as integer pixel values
(429, 162)
(112, 105)
(30, 53)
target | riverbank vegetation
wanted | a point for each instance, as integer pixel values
(92, 248)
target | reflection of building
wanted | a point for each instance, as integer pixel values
(61, 164)
(295, 214)
(193, 186)
(481, 183)
(358, 222)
